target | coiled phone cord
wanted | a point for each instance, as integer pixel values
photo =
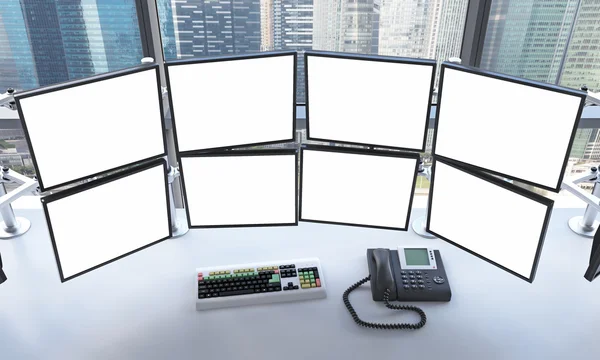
(386, 295)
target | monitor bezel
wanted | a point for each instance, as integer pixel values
(536, 84)
(80, 82)
(376, 58)
(224, 58)
(103, 181)
(237, 153)
(505, 185)
(357, 151)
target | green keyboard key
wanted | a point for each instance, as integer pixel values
(274, 279)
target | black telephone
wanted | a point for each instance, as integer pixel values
(406, 274)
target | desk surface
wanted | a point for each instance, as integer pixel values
(142, 307)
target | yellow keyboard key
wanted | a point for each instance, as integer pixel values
(305, 286)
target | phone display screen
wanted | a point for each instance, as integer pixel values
(416, 256)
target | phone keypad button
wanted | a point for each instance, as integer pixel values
(415, 287)
(413, 282)
(419, 277)
(422, 287)
(404, 277)
(412, 277)
(418, 272)
(403, 272)
(411, 273)
(420, 282)
(406, 287)
(405, 281)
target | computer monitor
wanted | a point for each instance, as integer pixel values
(240, 188)
(593, 269)
(230, 101)
(350, 186)
(490, 218)
(368, 100)
(81, 128)
(96, 223)
(511, 127)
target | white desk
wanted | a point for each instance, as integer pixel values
(142, 307)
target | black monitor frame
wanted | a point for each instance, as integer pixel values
(212, 59)
(87, 186)
(243, 152)
(79, 82)
(376, 58)
(505, 185)
(357, 151)
(593, 269)
(516, 80)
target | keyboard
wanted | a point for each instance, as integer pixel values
(259, 283)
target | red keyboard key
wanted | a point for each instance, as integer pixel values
(276, 271)
(318, 282)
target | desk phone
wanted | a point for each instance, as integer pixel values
(406, 274)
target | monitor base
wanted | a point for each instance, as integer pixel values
(575, 224)
(180, 226)
(8, 233)
(419, 225)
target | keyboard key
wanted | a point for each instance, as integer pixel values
(237, 292)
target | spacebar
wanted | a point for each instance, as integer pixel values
(237, 292)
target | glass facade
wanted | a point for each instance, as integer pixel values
(43, 42)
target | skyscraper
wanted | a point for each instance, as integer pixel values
(293, 24)
(582, 61)
(216, 27)
(51, 41)
(346, 25)
(17, 66)
(528, 38)
(45, 39)
(406, 28)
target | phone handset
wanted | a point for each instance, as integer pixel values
(383, 287)
(383, 277)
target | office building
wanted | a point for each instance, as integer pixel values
(447, 37)
(17, 65)
(266, 25)
(406, 28)
(581, 64)
(167, 30)
(49, 41)
(528, 38)
(41, 20)
(348, 26)
(206, 28)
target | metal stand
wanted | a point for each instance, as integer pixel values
(13, 226)
(419, 225)
(179, 226)
(587, 224)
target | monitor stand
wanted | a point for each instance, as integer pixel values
(585, 225)
(419, 225)
(179, 225)
(12, 226)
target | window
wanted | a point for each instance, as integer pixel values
(199, 28)
(548, 41)
(43, 42)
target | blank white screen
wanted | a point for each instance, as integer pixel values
(510, 128)
(98, 126)
(356, 189)
(369, 102)
(240, 190)
(235, 102)
(487, 219)
(107, 221)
